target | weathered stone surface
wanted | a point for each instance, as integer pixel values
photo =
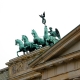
(4, 74)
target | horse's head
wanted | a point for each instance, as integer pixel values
(17, 41)
(34, 33)
(24, 38)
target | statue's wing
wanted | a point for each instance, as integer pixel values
(43, 14)
(57, 33)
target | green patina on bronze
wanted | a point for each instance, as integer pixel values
(37, 39)
(49, 39)
(30, 45)
(43, 18)
(54, 33)
(21, 46)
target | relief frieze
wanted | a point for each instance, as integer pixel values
(17, 67)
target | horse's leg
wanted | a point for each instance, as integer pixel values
(24, 50)
(38, 46)
(17, 53)
(27, 52)
(24, 53)
(47, 44)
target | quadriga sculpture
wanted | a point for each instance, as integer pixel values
(49, 38)
(30, 45)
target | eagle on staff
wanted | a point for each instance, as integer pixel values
(43, 18)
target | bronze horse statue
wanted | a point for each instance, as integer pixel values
(37, 39)
(21, 46)
(30, 45)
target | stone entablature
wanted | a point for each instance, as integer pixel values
(61, 68)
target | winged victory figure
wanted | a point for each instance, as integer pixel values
(54, 33)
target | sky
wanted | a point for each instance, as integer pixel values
(19, 17)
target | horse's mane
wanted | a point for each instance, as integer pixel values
(35, 32)
(18, 40)
(26, 37)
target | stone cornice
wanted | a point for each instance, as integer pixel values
(66, 42)
(64, 59)
(4, 69)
